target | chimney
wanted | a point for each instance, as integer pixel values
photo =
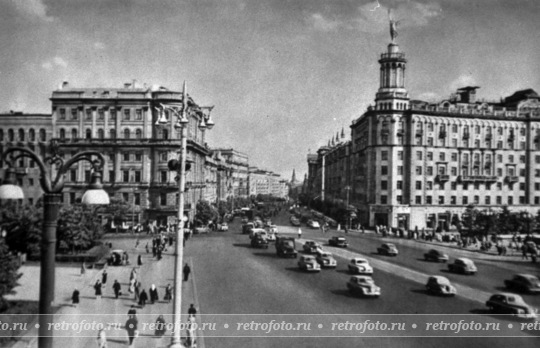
(127, 85)
(65, 84)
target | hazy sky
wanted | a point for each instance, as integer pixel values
(284, 76)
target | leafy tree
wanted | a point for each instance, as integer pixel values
(117, 211)
(8, 273)
(470, 219)
(205, 213)
(23, 224)
(78, 228)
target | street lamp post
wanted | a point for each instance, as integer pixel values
(180, 167)
(52, 200)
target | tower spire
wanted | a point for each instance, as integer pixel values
(293, 179)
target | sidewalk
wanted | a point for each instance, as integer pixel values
(108, 309)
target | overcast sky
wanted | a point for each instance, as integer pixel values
(284, 76)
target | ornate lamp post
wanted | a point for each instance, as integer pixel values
(180, 166)
(52, 200)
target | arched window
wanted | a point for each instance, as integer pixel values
(32, 134)
(62, 133)
(11, 135)
(42, 135)
(101, 133)
(88, 134)
(165, 134)
(74, 133)
(138, 133)
(112, 133)
(126, 133)
(21, 134)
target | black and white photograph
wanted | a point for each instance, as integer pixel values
(269, 173)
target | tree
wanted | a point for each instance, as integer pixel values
(117, 211)
(22, 222)
(204, 213)
(8, 273)
(78, 228)
(470, 219)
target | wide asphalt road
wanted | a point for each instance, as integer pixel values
(237, 284)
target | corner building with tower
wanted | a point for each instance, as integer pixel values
(413, 164)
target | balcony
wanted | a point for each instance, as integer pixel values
(476, 178)
(511, 179)
(157, 184)
(419, 133)
(442, 134)
(466, 136)
(442, 178)
(488, 137)
(393, 55)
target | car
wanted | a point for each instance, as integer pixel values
(435, 255)
(359, 265)
(439, 285)
(257, 231)
(115, 257)
(524, 283)
(313, 224)
(338, 242)
(286, 247)
(388, 249)
(272, 229)
(463, 265)
(223, 227)
(246, 228)
(507, 303)
(259, 241)
(311, 247)
(363, 285)
(308, 263)
(294, 221)
(201, 230)
(271, 236)
(326, 259)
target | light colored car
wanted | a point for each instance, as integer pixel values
(440, 286)
(311, 247)
(272, 228)
(326, 259)
(524, 283)
(308, 263)
(313, 224)
(359, 265)
(201, 230)
(257, 231)
(223, 227)
(338, 242)
(435, 255)
(463, 265)
(506, 303)
(388, 249)
(363, 285)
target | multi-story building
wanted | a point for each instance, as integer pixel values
(32, 131)
(122, 123)
(418, 164)
(264, 182)
(236, 165)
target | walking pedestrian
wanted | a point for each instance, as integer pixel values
(97, 288)
(139, 261)
(117, 289)
(102, 339)
(143, 297)
(153, 294)
(146, 247)
(160, 326)
(83, 269)
(75, 298)
(159, 254)
(137, 242)
(131, 328)
(132, 285)
(524, 252)
(133, 274)
(104, 277)
(299, 233)
(154, 249)
(168, 293)
(186, 271)
(137, 291)
(132, 313)
(192, 311)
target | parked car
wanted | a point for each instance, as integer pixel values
(272, 229)
(246, 228)
(439, 285)
(313, 224)
(294, 221)
(506, 303)
(338, 242)
(201, 230)
(363, 285)
(388, 249)
(435, 255)
(223, 227)
(257, 231)
(326, 259)
(259, 241)
(359, 265)
(523, 283)
(311, 247)
(308, 263)
(286, 246)
(463, 265)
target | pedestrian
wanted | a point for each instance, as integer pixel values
(137, 290)
(117, 289)
(171, 240)
(168, 293)
(143, 297)
(104, 277)
(133, 274)
(132, 285)
(97, 288)
(139, 261)
(137, 242)
(192, 311)
(132, 313)
(154, 249)
(102, 339)
(159, 254)
(524, 252)
(153, 294)
(160, 326)
(299, 233)
(186, 271)
(75, 298)
(146, 247)
(131, 328)
(83, 269)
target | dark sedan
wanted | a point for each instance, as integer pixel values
(435, 255)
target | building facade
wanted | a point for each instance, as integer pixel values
(414, 164)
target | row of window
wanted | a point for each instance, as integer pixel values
(465, 171)
(127, 114)
(453, 185)
(162, 133)
(454, 143)
(464, 200)
(454, 157)
(21, 135)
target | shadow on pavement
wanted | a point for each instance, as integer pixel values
(272, 255)
(242, 245)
